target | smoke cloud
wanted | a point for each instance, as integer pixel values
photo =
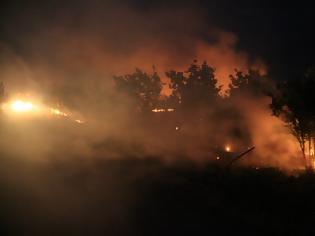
(69, 57)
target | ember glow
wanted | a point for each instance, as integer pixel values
(57, 112)
(156, 110)
(227, 148)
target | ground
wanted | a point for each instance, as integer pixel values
(146, 197)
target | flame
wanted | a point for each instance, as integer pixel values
(163, 110)
(158, 110)
(57, 112)
(17, 106)
(21, 106)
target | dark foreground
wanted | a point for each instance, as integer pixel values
(148, 198)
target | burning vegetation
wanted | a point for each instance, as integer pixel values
(20, 107)
(171, 112)
(198, 120)
(240, 117)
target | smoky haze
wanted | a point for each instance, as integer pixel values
(67, 54)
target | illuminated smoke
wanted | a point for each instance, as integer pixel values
(23, 107)
(75, 65)
(275, 145)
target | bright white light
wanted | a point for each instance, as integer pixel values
(27, 108)
(21, 106)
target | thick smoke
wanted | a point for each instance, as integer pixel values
(274, 142)
(69, 58)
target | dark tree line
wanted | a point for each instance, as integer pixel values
(252, 83)
(142, 88)
(196, 93)
(196, 87)
(196, 97)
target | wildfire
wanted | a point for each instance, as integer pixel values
(163, 110)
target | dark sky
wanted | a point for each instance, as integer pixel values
(279, 33)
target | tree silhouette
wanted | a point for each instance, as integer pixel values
(142, 88)
(194, 88)
(252, 83)
(195, 97)
(293, 101)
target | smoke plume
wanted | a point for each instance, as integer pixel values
(69, 57)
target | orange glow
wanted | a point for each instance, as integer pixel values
(158, 110)
(79, 121)
(21, 107)
(57, 112)
(227, 148)
(163, 110)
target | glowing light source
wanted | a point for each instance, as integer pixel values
(58, 112)
(163, 110)
(21, 106)
(227, 148)
(79, 121)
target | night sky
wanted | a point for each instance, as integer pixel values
(281, 34)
